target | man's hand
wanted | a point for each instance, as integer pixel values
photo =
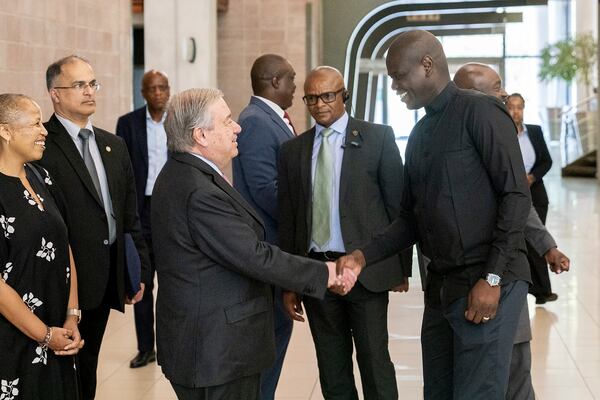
(557, 261)
(340, 283)
(482, 302)
(530, 179)
(138, 296)
(293, 306)
(402, 286)
(354, 261)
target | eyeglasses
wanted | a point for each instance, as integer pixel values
(327, 97)
(81, 86)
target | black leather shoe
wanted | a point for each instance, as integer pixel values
(544, 298)
(142, 359)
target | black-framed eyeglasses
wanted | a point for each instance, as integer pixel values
(327, 97)
(81, 86)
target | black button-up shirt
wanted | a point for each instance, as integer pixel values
(466, 197)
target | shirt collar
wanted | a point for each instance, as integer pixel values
(442, 99)
(149, 117)
(206, 160)
(524, 133)
(338, 126)
(72, 128)
(278, 110)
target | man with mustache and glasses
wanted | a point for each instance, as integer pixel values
(339, 183)
(93, 170)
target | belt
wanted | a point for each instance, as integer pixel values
(325, 256)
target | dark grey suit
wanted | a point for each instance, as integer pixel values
(370, 189)
(214, 310)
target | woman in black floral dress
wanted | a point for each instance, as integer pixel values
(38, 282)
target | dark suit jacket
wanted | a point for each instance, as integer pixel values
(255, 168)
(86, 219)
(370, 191)
(214, 309)
(132, 128)
(543, 163)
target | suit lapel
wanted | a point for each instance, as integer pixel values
(63, 140)
(273, 115)
(111, 166)
(306, 172)
(348, 158)
(142, 136)
(220, 182)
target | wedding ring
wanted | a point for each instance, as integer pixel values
(486, 319)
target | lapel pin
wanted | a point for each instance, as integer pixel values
(108, 149)
(354, 133)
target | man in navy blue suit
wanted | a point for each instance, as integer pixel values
(265, 126)
(146, 140)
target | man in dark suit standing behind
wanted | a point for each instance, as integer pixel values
(214, 308)
(538, 162)
(339, 184)
(265, 126)
(93, 170)
(144, 133)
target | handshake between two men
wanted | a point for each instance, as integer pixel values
(342, 277)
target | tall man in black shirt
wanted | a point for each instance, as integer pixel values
(466, 201)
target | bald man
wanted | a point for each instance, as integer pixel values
(144, 134)
(465, 200)
(483, 78)
(266, 125)
(338, 186)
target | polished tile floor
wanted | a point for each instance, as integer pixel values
(566, 344)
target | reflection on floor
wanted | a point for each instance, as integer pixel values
(566, 345)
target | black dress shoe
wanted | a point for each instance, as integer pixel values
(142, 359)
(544, 298)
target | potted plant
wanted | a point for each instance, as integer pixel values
(569, 59)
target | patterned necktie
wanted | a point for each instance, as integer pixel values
(287, 117)
(85, 134)
(323, 191)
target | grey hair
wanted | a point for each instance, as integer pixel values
(54, 69)
(10, 106)
(186, 111)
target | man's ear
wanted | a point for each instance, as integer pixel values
(199, 137)
(54, 96)
(275, 82)
(427, 63)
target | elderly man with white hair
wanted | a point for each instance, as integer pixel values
(215, 304)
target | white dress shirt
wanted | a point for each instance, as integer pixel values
(527, 150)
(157, 149)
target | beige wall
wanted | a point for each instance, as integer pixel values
(34, 33)
(253, 27)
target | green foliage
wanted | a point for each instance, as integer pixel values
(570, 58)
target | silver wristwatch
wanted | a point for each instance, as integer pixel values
(493, 280)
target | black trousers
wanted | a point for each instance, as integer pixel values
(92, 327)
(144, 309)
(334, 323)
(246, 388)
(540, 276)
(464, 361)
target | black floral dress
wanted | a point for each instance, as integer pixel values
(34, 261)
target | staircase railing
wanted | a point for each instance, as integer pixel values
(578, 138)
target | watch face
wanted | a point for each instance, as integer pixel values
(493, 280)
